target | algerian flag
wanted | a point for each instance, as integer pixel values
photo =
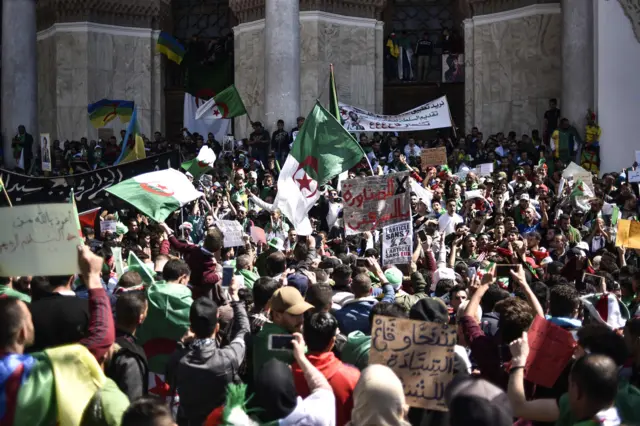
(146, 272)
(207, 124)
(226, 104)
(157, 194)
(322, 150)
(201, 164)
(581, 193)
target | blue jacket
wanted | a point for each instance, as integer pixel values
(354, 315)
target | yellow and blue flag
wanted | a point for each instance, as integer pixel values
(105, 110)
(170, 47)
(132, 149)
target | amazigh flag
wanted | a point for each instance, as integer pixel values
(105, 110)
(201, 164)
(168, 45)
(322, 150)
(226, 104)
(53, 387)
(334, 106)
(133, 150)
(167, 321)
(157, 194)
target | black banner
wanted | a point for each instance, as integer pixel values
(88, 187)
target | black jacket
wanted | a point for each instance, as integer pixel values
(58, 320)
(201, 371)
(129, 367)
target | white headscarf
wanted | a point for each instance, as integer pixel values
(378, 399)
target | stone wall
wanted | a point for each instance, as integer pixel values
(81, 63)
(353, 45)
(513, 67)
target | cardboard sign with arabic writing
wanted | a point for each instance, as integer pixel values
(550, 349)
(420, 353)
(374, 202)
(232, 231)
(433, 156)
(628, 234)
(40, 239)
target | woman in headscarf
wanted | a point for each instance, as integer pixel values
(378, 399)
(278, 403)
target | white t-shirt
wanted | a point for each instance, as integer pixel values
(447, 224)
(318, 409)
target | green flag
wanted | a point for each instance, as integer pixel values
(226, 104)
(322, 150)
(334, 106)
(135, 264)
(201, 164)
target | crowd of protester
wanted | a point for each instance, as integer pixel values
(325, 288)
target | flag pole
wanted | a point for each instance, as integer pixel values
(6, 194)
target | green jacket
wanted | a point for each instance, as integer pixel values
(627, 403)
(419, 292)
(7, 291)
(261, 352)
(250, 277)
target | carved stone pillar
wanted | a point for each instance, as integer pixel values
(94, 49)
(19, 72)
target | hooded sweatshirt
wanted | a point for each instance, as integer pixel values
(342, 378)
(356, 350)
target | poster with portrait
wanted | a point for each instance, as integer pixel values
(453, 68)
(45, 151)
(227, 143)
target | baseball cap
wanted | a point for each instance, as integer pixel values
(477, 402)
(582, 245)
(524, 196)
(394, 276)
(298, 281)
(253, 174)
(288, 299)
(276, 243)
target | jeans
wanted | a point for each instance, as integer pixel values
(423, 68)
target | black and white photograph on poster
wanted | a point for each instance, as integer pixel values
(397, 243)
(227, 143)
(453, 68)
(45, 151)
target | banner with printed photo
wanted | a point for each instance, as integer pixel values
(397, 243)
(45, 151)
(374, 202)
(453, 68)
(432, 115)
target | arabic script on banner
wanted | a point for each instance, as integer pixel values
(39, 239)
(397, 243)
(420, 353)
(433, 156)
(232, 231)
(374, 202)
(432, 115)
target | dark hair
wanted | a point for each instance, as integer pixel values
(515, 317)
(11, 317)
(563, 301)
(263, 289)
(301, 251)
(57, 281)
(174, 269)
(341, 275)
(361, 285)
(455, 289)
(443, 287)
(147, 411)
(213, 240)
(276, 263)
(319, 328)
(130, 279)
(387, 309)
(203, 317)
(129, 307)
(600, 339)
(320, 296)
(597, 376)
(540, 290)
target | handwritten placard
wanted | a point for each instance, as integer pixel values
(633, 176)
(485, 169)
(628, 234)
(550, 349)
(108, 226)
(420, 353)
(258, 236)
(434, 156)
(232, 231)
(397, 243)
(39, 239)
(374, 202)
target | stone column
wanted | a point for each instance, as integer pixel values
(281, 63)
(577, 61)
(19, 72)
